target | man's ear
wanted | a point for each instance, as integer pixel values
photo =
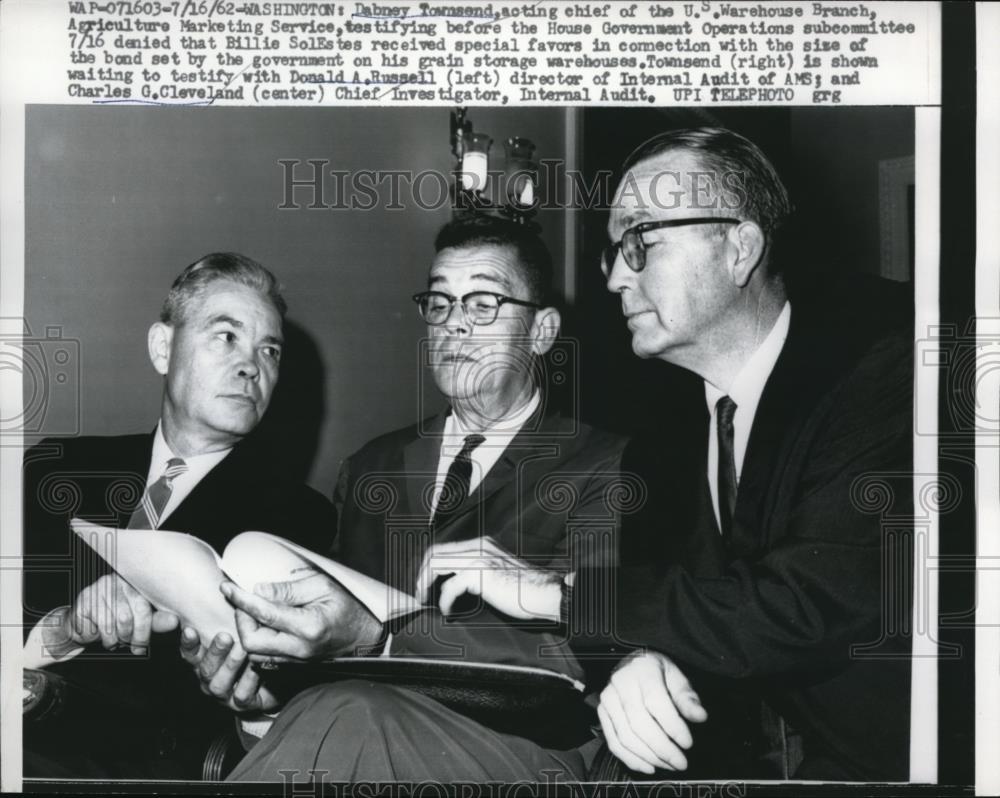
(159, 340)
(749, 243)
(545, 330)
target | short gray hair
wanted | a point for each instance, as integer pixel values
(230, 266)
(764, 198)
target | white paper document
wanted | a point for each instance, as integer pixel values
(181, 573)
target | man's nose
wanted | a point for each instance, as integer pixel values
(248, 367)
(620, 275)
(457, 322)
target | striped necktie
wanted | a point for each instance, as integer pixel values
(150, 510)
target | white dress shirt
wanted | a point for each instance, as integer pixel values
(35, 653)
(198, 467)
(486, 454)
(483, 458)
(747, 387)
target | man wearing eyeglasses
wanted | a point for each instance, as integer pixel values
(497, 470)
(489, 464)
(760, 566)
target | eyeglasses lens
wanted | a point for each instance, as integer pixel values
(479, 308)
(632, 250)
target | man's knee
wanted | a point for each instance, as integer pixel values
(355, 697)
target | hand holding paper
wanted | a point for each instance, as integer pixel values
(109, 609)
(180, 573)
(224, 673)
(309, 618)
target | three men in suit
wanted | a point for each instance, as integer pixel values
(218, 345)
(760, 568)
(496, 467)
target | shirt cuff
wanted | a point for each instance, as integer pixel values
(36, 654)
(379, 647)
(258, 725)
(566, 603)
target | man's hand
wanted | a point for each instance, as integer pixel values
(112, 610)
(225, 674)
(482, 568)
(310, 618)
(643, 710)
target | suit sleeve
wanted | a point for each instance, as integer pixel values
(817, 588)
(48, 548)
(592, 530)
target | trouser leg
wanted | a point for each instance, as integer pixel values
(355, 731)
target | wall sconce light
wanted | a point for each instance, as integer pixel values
(521, 174)
(475, 164)
(511, 192)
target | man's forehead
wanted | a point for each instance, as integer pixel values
(227, 299)
(668, 171)
(488, 263)
(677, 160)
(661, 187)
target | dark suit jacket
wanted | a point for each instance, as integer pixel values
(555, 498)
(101, 479)
(550, 498)
(803, 603)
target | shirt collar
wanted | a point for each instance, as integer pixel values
(748, 385)
(198, 463)
(506, 427)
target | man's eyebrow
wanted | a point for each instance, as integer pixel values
(224, 318)
(499, 279)
(625, 223)
(634, 218)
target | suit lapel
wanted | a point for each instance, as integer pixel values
(215, 496)
(704, 550)
(136, 460)
(764, 454)
(705, 555)
(531, 438)
(527, 443)
(789, 395)
(420, 464)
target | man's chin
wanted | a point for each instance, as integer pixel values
(642, 348)
(456, 396)
(457, 382)
(240, 424)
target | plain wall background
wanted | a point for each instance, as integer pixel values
(121, 199)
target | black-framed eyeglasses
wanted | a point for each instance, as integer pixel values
(633, 246)
(481, 307)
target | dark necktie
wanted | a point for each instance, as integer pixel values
(150, 510)
(455, 490)
(725, 408)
